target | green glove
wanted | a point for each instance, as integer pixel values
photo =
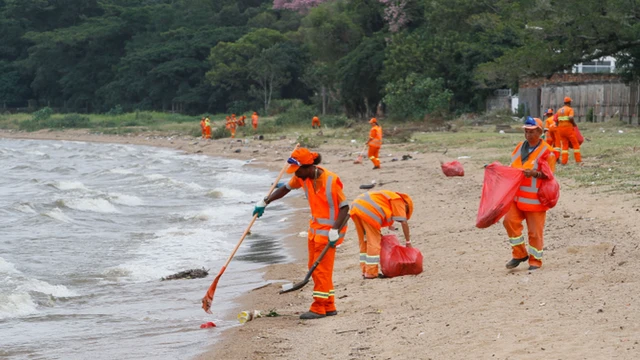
(259, 209)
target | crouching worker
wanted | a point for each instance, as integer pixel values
(371, 212)
(529, 156)
(329, 212)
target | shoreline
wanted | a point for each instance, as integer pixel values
(582, 304)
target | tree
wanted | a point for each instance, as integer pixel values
(417, 96)
(269, 71)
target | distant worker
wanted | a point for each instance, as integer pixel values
(551, 131)
(207, 128)
(371, 212)
(231, 126)
(329, 215)
(567, 133)
(315, 122)
(375, 142)
(241, 120)
(203, 127)
(529, 155)
(254, 120)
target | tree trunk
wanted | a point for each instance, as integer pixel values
(324, 100)
(366, 107)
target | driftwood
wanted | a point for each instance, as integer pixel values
(188, 274)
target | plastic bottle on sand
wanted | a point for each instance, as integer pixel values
(248, 315)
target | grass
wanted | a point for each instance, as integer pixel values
(611, 158)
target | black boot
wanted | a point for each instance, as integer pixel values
(513, 263)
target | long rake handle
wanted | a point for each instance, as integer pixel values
(207, 300)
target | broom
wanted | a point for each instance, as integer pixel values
(359, 159)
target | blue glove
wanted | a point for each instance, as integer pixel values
(334, 235)
(259, 209)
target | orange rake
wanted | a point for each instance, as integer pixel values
(359, 159)
(207, 300)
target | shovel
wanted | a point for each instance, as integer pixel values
(292, 287)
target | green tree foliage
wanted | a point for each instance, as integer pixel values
(416, 96)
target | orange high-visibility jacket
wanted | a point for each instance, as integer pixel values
(527, 195)
(379, 208)
(325, 200)
(549, 123)
(376, 136)
(563, 115)
(254, 119)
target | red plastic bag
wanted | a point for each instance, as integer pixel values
(397, 260)
(453, 168)
(578, 136)
(549, 190)
(207, 325)
(498, 191)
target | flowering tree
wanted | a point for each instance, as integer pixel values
(395, 14)
(297, 5)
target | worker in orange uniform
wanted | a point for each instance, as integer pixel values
(375, 142)
(315, 122)
(566, 133)
(254, 120)
(231, 125)
(529, 156)
(207, 128)
(551, 132)
(203, 127)
(329, 215)
(371, 212)
(241, 120)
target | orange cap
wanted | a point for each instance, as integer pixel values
(299, 157)
(373, 121)
(409, 202)
(567, 99)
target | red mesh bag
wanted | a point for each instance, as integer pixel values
(578, 136)
(453, 168)
(498, 190)
(398, 260)
(549, 190)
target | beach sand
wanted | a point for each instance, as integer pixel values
(583, 304)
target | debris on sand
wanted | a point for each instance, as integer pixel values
(188, 274)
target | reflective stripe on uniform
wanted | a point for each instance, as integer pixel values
(332, 292)
(535, 252)
(525, 200)
(372, 260)
(516, 241)
(368, 212)
(363, 257)
(321, 295)
(399, 218)
(332, 210)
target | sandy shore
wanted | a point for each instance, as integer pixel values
(583, 304)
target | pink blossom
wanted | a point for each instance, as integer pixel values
(394, 14)
(297, 5)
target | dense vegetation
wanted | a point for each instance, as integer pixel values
(415, 57)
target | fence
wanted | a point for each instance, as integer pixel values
(594, 98)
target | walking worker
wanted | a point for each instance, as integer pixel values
(203, 127)
(231, 125)
(375, 142)
(329, 214)
(566, 133)
(254, 120)
(207, 128)
(551, 131)
(529, 156)
(315, 122)
(371, 212)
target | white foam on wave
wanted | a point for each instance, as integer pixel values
(57, 214)
(121, 171)
(92, 204)
(46, 288)
(127, 200)
(173, 182)
(248, 177)
(172, 250)
(219, 215)
(70, 185)
(25, 208)
(155, 177)
(227, 193)
(16, 305)
(7, 267)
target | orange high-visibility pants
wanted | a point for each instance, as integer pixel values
(323, 292)
(555, 141)
(255, 125)
(315, 123)
(567, 134)
(207, 132)
(369, 239)
(204, 132)
(374, 152)
(233, 132)
(535, 229)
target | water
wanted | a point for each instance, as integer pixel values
(87, 231)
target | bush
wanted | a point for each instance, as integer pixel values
(116, 110)
(308, 142)
(38, 121)
(219, 133)
(297, 116)
(43, 114)
(238, 107)
(590, 116)
(70, 121)
(280, 106)
(416, 96)
(334, 121)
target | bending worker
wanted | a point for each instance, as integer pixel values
(371, 212)
(315, 122)
(375, 142)
(566, 133)
(529, 155)
(329, 214)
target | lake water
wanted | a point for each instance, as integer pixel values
(88, 230)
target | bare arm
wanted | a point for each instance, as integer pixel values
(405, 231)
(279, 193)
(343, 217)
